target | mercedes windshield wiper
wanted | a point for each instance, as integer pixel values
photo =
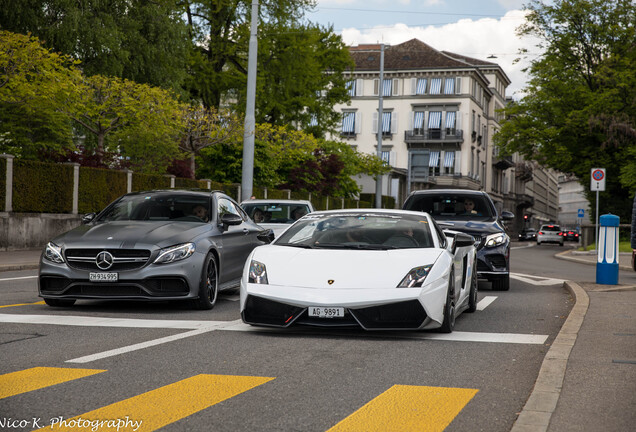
(298, 245)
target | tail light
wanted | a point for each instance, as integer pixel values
(540, 233)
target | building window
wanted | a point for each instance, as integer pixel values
(387, 87)
(449, 86)
(436, 86)
(421, 86)
(418, 123)
(351, 88)
(435, 124)
(451, 122)
(386, 156)
(433, 163)
(313, 120)
(348, 123)
(389, 123)
(449, 162)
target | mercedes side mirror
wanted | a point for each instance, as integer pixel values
(88, 217)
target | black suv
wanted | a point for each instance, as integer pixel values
(474, 213)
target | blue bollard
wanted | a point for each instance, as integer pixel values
(607, 249)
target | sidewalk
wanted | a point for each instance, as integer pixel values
(587, 381)
(19, 259)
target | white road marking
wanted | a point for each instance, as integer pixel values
(85, 321)
(485, 302)
(457, 336)
(524, 247)
(200, 327)
(142, 345)
(18, 278)
(536, 280)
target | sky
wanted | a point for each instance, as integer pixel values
(474, 28)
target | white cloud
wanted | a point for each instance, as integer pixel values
(473, 38)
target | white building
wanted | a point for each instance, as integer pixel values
(439, 116)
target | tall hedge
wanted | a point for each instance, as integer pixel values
(3, 182)
(99, 187)
(142, 182)
(277, 194)
(185, 183)
(41, 187)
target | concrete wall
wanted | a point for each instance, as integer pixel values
(33, 230)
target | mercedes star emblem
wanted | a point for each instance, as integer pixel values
(104, 260)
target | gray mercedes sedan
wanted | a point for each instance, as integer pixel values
(152, 245)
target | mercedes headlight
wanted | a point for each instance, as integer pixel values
(258, 273)
(496, 239)
(53, 253)
(175, 253)
(415, 278)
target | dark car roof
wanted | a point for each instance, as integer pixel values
(448, 191)
(203, 192)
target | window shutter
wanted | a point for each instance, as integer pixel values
(375, 122)
(357, 123)
(359, 91)
(413, 86)
(458, 85)
(394, 122)
(376, 87)
(458, 162)
(411, 115)
(396, 87)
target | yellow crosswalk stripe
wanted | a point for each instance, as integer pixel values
(36, 378)
(158, 408)
(404, 408)
(22, 304)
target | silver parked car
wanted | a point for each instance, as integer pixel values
(550, 234)
(277, 215)
(154, 245)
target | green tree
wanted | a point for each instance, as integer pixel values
(140, 120)
(301, 73)
(293, 160)
(205, 127)
(141, 40)
(579, 111)
(31, 78)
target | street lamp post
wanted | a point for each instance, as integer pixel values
(378, 180)
(250, 119)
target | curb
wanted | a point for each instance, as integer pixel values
(18, 267)
(566, 255)
(537, 412)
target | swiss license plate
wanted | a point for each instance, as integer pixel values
(103, 277)
(326, 312)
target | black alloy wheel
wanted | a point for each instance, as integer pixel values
(209, 287)
(501, 284)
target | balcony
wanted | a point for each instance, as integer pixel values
(433, 135)
(503, 163)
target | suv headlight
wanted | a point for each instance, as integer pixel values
(496, 239)
(53, 253)
(175, 253)
(258, 273)
(415, 278)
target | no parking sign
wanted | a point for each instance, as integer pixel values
(598, 179)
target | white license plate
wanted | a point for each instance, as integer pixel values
(326, 312)
(103, 277)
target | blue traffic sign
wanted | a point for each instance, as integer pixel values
(581, 213)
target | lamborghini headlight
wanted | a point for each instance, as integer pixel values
(496, 239)
(415, 278)
(53, 253)
(258, 273)
(175, 253)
